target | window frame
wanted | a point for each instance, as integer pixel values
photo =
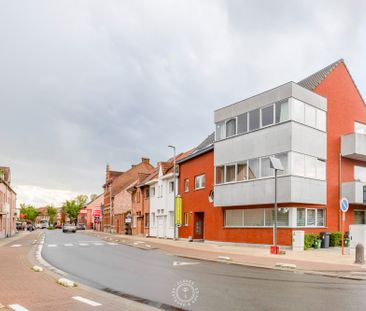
(203, 184)
(186, 185)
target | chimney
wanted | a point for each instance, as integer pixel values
(145, 160)
(107, 173)
(133, 165)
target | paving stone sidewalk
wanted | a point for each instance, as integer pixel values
(19, 285)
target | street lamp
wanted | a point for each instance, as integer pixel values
(277, 166)
(175, 190)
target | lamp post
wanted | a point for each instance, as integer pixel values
(175, 190)
(277, 166)
(110, 207)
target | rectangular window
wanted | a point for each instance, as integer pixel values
(360, 128)
(310, 217)
(298, 110)
(253, 168)
(266, 170)
(254, 120)
(147, 193)
(254, 217)
(360, 173)
(186, 219)
(359, 218)
(242, 171)
(186, 185)
(152, 191)
(199, 182)
(310, 115)
(310, 166)
(300, 217)
(171, 186)
(281, 111)
(234, 218)
(267, 115)
(147, 220)
(282, 217)
(320, 169)
(321, 120)
(230, 127)
(229, 173)
(298, 164)
(320, 219)
(220, 130)
(243, 123)
(219, 175)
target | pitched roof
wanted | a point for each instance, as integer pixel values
(312, 81)
(127, 178)
(206, 145)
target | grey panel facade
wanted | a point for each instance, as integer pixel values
(353, 146)
(291, 189)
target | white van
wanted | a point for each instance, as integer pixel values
(44, 224)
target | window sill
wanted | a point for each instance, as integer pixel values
(196, 189)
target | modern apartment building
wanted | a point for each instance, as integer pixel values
(308, 126)
(8, 212)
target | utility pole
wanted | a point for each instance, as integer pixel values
(110, 207)
(175, 190)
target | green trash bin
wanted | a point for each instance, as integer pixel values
(346, 242)
(317, 244)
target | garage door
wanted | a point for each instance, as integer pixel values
(161, 226)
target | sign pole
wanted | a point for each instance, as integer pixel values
(344, 205)
(343, 218)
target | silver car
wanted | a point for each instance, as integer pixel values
(69, 228)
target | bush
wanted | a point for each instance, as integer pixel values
(309, 240)
(51, 228)
(335, 239)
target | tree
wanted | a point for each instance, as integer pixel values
(71, 209)
(51, 212)
(30, 212)
(81, 199)
(93, 197)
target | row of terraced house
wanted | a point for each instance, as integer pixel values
(316, 127)
(8, 213)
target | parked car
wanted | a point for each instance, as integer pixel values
(58, 226)
(19, 226)
(30, 227)
(69, 228)
(80, 227)
(44, 224)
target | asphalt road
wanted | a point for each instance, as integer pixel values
(155, 277)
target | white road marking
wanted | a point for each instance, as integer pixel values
(68, 244)
(182, 263)
(83, 244)
(98, 244)
(111, 243)
(16, 245)
(87, 301)
(52, 245)
(17, 307)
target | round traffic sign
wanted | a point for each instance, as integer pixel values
(344, 205)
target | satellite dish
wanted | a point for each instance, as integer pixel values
(211, 197)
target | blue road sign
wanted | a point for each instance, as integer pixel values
(344, 205)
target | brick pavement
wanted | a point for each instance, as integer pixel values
(38, 290)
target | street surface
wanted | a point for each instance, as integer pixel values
(152, 277)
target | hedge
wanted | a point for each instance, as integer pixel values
(335, 239)
(309, 240)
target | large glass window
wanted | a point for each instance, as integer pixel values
(320, 169)
(310, 167)
(282, 217)
(253, 168)
(254, 120)
(243, 123)
(300, 217)
(219, 174)
(230, 173)
(310, 115)
(321, 120)
(298, 110)
(360, 128)
(298, 164)
(266, 170)
(267, 115)
(220, 130)
(281, 111)
(234, 218)
(230, 127)
(254, 217)
(310, 217)
(242, 171)
(320, 219)
(359, 218)
(360, 173)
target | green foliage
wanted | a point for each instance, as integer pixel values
(51, 212)
(29, 212)
(93, 197)
(309, 240)
(335, 239)
(71, 209)
(51, 228)
(81, 200)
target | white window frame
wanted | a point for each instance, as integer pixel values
(201, 176)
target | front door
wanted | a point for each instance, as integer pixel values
(198, 225)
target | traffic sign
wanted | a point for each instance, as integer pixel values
(343, 204)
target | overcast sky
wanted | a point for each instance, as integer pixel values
(83, 83)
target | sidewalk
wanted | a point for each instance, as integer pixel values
(323, 261)
(20, 285)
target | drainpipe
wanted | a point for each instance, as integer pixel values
(340, 191)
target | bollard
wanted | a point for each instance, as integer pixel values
(360, 256)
